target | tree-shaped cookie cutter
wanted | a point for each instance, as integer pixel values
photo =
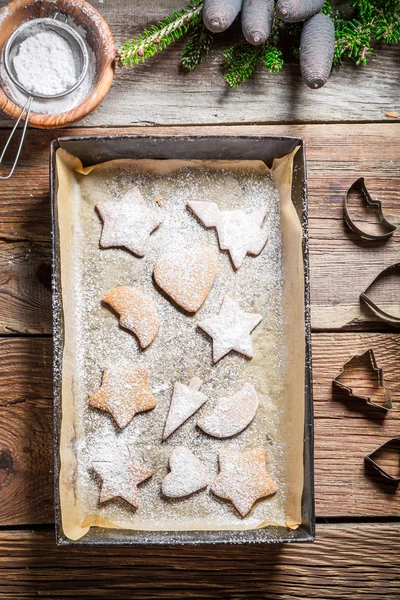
(359, 186)
(370, 459)
(387, 405)
(393, 319)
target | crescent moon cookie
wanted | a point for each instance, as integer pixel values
(187, 474)
(129, 222)
(120, 478)
(238, 232)
(186, 400)
(187, 276)
(231, 329)
(243, 478)
(137, 312)
(123, 393)
(231, 415)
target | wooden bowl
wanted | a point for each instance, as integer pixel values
(61, 112)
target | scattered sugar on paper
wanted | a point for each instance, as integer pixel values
(180, 351)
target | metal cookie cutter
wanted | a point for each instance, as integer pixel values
(359, 186)
(379, 377)
(393, 319)
(369, 458)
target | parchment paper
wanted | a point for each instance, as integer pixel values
(271, 284)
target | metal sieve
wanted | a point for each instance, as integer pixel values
(11, 49)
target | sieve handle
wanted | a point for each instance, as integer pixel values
(26, 108)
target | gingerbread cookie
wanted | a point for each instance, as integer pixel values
(187, 276)
(243, 478)
(239, 232)
(186, 400)
(137, 312)
(123, 393)
(231, 329)
(129, 222)
(120, 477)
(231, 415)
(187, 474)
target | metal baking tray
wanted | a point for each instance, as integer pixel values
(101, 148)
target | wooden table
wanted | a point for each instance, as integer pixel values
(356, 553)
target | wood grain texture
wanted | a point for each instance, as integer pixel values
(156, 93)
(341, 265)
(345, 429)
(346, 561)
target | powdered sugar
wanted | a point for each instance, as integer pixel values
(45, 64)
(231, 414)
(120, 478)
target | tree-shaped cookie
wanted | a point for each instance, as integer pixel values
(137, 312)
(186, 400)
(239, 232)
(231, 414)
(123, 393)
(243, 478)
(230, 329)
(129, 222)
(120, 477)
(187, 474)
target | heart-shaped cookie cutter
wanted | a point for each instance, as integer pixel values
(379, 377)
(382, 314)
(369, 458)
(359, 186)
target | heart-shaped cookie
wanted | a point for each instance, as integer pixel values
(187, 474)
(187, 276)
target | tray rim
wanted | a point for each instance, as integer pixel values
(97, 536)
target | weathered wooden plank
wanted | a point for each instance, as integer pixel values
(341, 265)
(25, 288)
(346, 561)
(345, 430)
(157, 93)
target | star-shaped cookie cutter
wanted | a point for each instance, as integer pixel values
(387, 405)
(359, 186)
(369, 459)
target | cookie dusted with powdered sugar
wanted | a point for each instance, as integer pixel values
(186, 400)
(230, 329)
(120, 477)
(129, 222)
(123, 393)
(137, 312)
(243, 478)
(231, 414)
(187, 474)
(187, 276)
(239, 232)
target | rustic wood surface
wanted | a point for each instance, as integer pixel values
(156, 93)
(351, 557)
(346, 561)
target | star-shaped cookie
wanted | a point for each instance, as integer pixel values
(243, 478)
(123, 393)
(231, 329)
(120, 477)
(239, 232)
(129, 222)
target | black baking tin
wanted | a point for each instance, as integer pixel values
(100, 148)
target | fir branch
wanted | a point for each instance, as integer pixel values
(241, 62)
(272, 59)
(197, 48)
(161, 35)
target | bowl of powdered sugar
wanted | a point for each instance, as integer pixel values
(61, 53)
